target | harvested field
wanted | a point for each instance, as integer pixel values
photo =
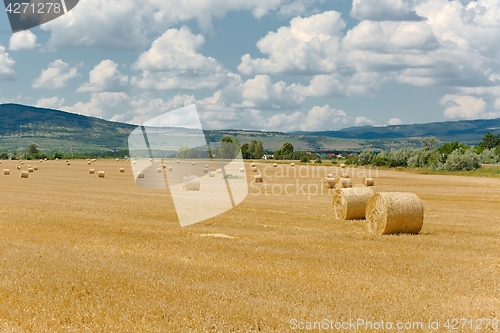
(78, 253)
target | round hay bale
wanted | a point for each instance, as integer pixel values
(57, 159)
(394, 213)
(91, 171)
(23, 174)
(342, 166)
(257, 179)
(343, 183)
(159, 170)
(207, 166)
(117, 159)
(122, 170)
(101, 174)
(329, 182)
(218, 171)
(191, 183)
(330, 175)
(6, 172)
(242, 169)
(45, 159)
(350, 203)
(150, 160)
(292, 164)
(252, 165)
(170, 168)
(178, 162)
(211, 174)
(140, 175)
(30, 169)
(18, 167)
(22, 162)
(135, 162)
(29, 166)
(368, 181)
(41, 161)
(193, 163)
(35, 167)
(66, 161)
(89, 163)
(275, 165)
(254, 169)
(345, 175)
(68, 164)
(205, 170)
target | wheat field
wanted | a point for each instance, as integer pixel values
(83, 254)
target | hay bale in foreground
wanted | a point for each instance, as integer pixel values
(343, 183)
(23, 174)
(368, 181)
(101, 174)
(91, 171)
(350, 203)
(122, 170)
(6, 172)
(257, 179)
(394, 213)
(191, 183)
(329, 182)
(140, 175)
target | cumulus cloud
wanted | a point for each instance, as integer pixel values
(128, 24)
(384, 10)
(23, 40)
(362, 121)
(56, 76)
(463, 107)
(173, 62)
(51, 102)
(105, 105)
(105, 77)
(395, 121)
(6, 65)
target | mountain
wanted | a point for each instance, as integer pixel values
(53, 130)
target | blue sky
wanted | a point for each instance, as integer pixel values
(281, 65)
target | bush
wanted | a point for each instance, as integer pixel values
(365, 157)
(318, 160)
(351, 160)
(489, 156)
(304, 159)
(466, 161)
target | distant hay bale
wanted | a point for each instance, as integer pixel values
(23, 174)
(29, 166)
(101, 174)
(329, 182)
(140, 175)
(218, 171)
(254, 169)
(345, 175)
(330, 175)
(343, 183)
(6, 172)
(394, 213)
(193, 163)
(35, 167)
(177, 161)
(68, 164)
(150, 160)
(91, 171)
(117, 159)
(93, 160)
(242, 169)
(57, 159)
(45, 159)
(257, 179)
(205, 170)
(22, 162)
(207, 166)
(342, 166)
(252, 165)
(159, 170)
(18, 167)
(368, 181)
(41, 161)
(122, 170)
(350, 203)
(211, 174)
(275, 165)
(135, 162)
(30, 170)
(170, 168)
(191, 183)
(89, 163)
(66, 161)
(292, 164)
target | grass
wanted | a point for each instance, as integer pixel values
(78, 253)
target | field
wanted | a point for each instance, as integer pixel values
(82, 254)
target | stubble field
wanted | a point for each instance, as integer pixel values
(82, 254)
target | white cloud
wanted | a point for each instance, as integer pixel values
(51, 102)
(105, 105)
(173, 62)
(105, 77)
(309, 45)
(6, 65)
(395, 121)
(497, 103)
(361, 121)
(55, 76)
(463, 107)
(384, 10)
(128, 24)
(23, 40)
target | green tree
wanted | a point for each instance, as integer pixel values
(256, 149)
(33, 149)
(365, 157)
(490, 141)
(244, 151)
(229, 148)
(429, 142)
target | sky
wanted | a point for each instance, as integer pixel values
(280, 65)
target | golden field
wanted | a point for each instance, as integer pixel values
(83, 254)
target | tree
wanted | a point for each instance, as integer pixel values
(256, 149)
(365, 157)
(287, 148)
(429, 142)
(490, 141)
(32, 149)
(244, 151)
(229, 148)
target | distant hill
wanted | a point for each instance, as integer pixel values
(53, 130)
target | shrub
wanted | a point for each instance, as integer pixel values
(466, 161)
(365, 157)
(489, 156)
